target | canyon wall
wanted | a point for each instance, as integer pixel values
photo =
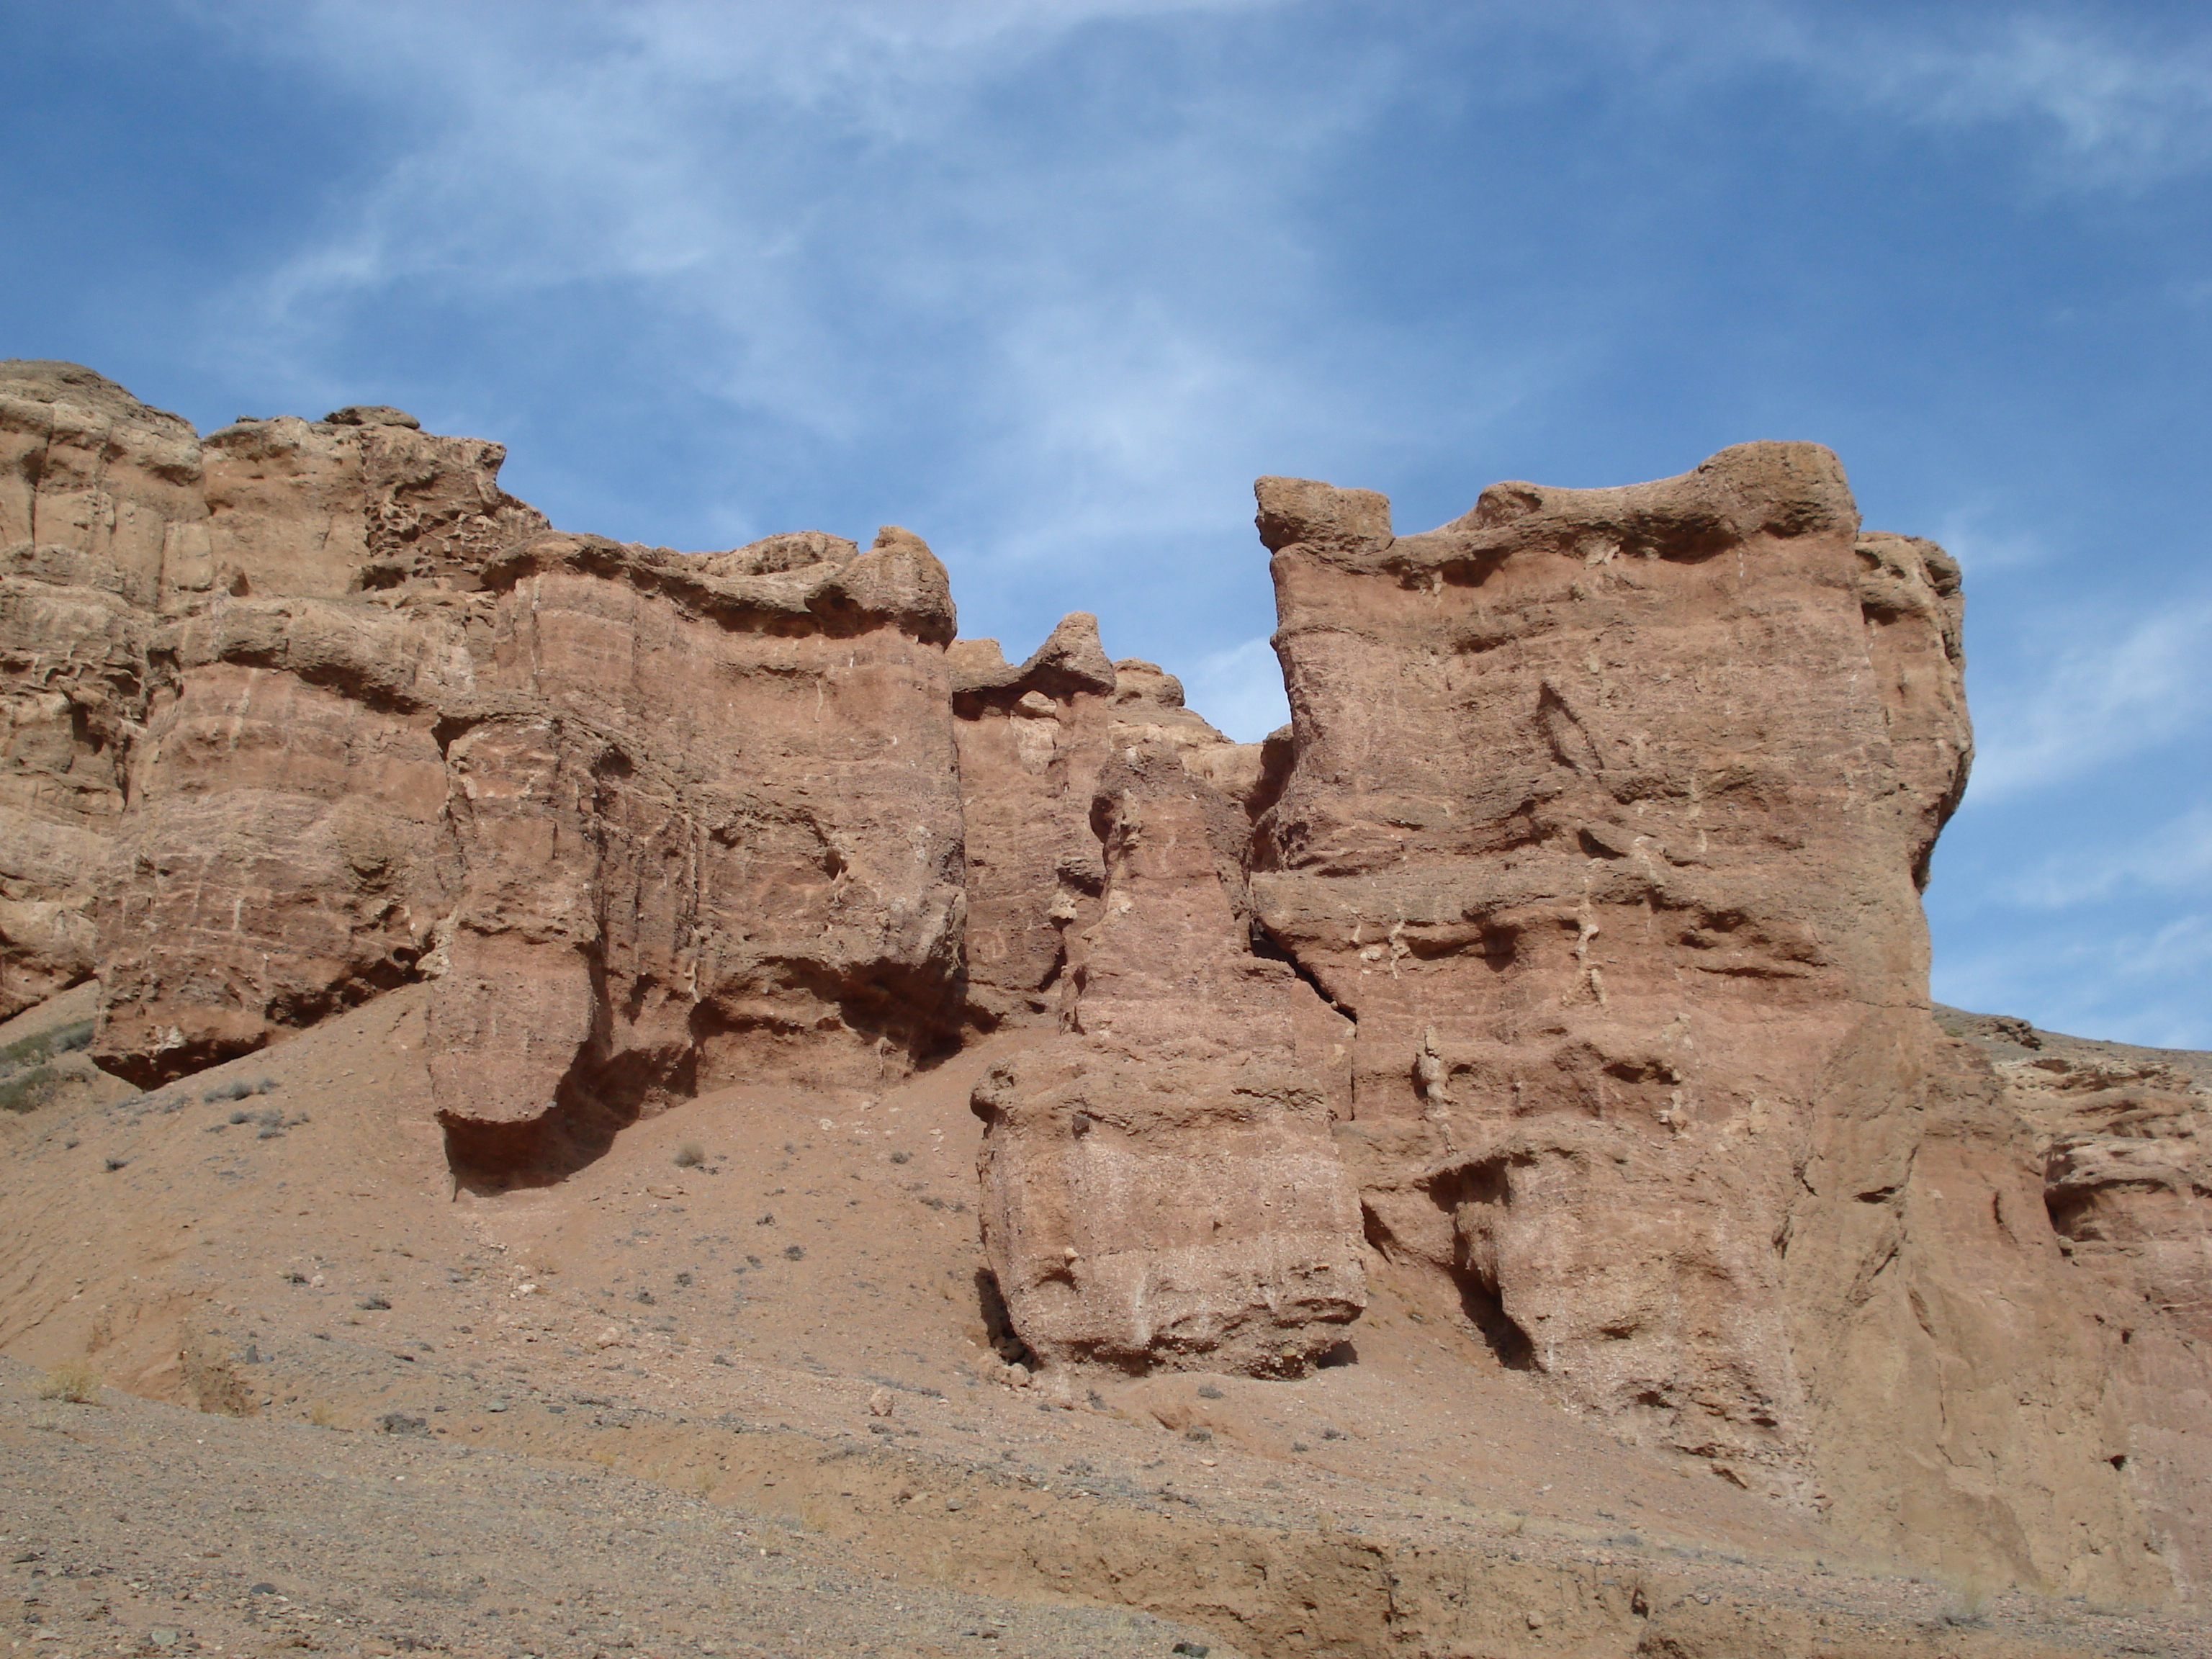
(1563, 958)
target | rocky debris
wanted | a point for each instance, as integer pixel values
(1604, 824)
(1160, 1185)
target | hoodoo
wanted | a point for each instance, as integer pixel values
(1563, 959)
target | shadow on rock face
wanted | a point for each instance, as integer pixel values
(576, 1130)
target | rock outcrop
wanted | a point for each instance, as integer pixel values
(1160, 1187)
(100, 496)
(1031, 740)
(1563, 959)
(1604, 824)
(637, 812)
(363, 500)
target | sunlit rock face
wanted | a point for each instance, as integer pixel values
(1563, 960)
(1604, 823)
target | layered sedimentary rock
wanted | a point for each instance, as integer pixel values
(1032, 739)
(2124, 1141)
(708, 812)
(1160, 1185)
(315, 709)
(286, 855)
(1604, 825)
(637, 812)
(1565, 953)
(99, 495)
(362, 499)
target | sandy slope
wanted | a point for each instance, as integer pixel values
(785, 1346)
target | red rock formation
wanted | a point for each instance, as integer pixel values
(99, 494)
(1571, 932)
(333, 507)
(710, 824)
(1031, 740)
(1604, 823)
(1160, 1187)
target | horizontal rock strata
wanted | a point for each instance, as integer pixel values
(1562, 960)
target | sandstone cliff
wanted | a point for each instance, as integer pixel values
(1563, 959)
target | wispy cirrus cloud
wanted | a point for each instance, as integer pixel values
(2172, 859)
(2112, 104)
(2095, 699)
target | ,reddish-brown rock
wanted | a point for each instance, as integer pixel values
(332, 506)
(651, 821)
(99, 495)
(86, 467)
(710, 821)
(1158, 1184)
(1565, 953)
(286, 854)
(1604, 824)
(1032, 739)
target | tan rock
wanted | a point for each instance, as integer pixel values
(321, 509)
(1604, 823)
(1160, 1187)
(87, 468)
(1032, 739)
(288, 855)
(72, 692)
(711, 825)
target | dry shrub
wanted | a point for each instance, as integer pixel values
(71, 1380)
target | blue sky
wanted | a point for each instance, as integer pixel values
(1050, 281)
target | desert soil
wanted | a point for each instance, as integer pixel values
(749, 1405)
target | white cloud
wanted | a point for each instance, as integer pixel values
(2174, 859)
(2098, 700)
(832, 213)
(2139, 983)
(1977, 536)
(2113, 110)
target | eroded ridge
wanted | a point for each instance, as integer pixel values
(1558, 975)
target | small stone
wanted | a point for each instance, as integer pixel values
(372, 414)
(880, 1403)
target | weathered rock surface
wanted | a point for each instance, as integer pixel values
(710, 824)
(1604, 823)
(650, 820)
(1031, 740)
(323, 508)
(1160, 1187)
(1564, 953)
(286, 855)
(100, 496)
(2120, 1135)
(87, 468)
